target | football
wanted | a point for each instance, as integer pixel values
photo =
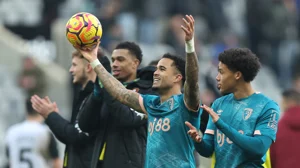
(83, 30)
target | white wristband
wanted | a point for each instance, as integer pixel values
(95, 63)
(190, 46)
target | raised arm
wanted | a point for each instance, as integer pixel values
(112, 85)
(191, 86)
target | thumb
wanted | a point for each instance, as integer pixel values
(190, 125)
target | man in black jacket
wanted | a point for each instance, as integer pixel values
(121, 137)
(79, 145)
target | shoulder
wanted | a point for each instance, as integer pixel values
(225, 98)
(267, 105)
(13, 130)
(267, 102)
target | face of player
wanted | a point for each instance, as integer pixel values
(166, 75)
(226, 81)
(79, 70)
(124, 65)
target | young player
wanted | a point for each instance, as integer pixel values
(243, 123)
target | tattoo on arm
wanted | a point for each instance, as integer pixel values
(191, 86)
(117, 90)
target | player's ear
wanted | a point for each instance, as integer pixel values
(89, 67)
(136, 63)
(238, 75)
(178, 78)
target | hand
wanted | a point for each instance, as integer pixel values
(215, 117)
(189, 27)
(193, 132)
(90, 54)
(43, 106)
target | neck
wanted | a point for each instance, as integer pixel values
(165, 95)
(92, 77)
(243, 90)
(36, 118)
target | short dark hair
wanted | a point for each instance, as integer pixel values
(30, 111)
(178, 62)
(133, 48)
(243, 60)
(291, 94)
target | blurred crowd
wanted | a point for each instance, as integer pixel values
(270, 28)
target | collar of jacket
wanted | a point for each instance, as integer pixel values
(88, 88)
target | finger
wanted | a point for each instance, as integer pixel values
(192, 132)
(36, 108)
(39, 100)
(192, 18)
(186, 23)
(185, 30)
(48, 99)
(198, 138)
(190, 125)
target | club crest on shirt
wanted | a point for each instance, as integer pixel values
(247, 113)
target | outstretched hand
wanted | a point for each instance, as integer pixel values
(215, 117)
(43, 106)
(193, 132)
(188, 27)
(90, 54)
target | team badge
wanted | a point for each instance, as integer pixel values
(247, 113)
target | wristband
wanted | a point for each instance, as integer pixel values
(189, 46)
(95, 63)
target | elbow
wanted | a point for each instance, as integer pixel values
(259, 154)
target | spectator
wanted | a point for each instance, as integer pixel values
(285, 152)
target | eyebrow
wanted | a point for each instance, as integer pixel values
(160, 66)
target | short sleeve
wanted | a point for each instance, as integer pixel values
(147, 99)
(268, 122)
(211, 127)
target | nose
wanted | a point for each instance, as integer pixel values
(155, 74)
(115, 64)
(71, 69)
(218, 77)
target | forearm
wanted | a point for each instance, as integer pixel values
(261, 143)
(65, 131)
(191, 87)
(206, 147)
(117, 90)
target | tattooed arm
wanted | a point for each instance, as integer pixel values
(112, 85)
(191, 86)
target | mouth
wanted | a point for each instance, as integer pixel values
(155, 80)
(219, 86)
(116, 72)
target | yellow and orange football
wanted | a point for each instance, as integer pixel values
(83, 30)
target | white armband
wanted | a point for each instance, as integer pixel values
(95, 63)
(190, 46)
